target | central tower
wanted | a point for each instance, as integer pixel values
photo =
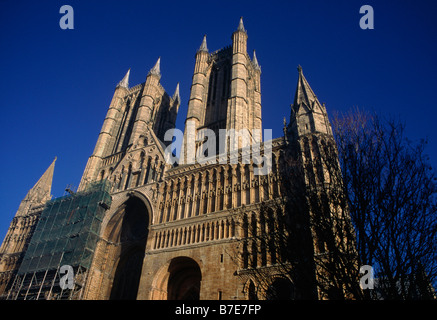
(225, 93)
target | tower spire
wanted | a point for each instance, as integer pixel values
(241, 25)
(125, 81)
(304, 94)
(41, 191)
(307, 114)
(203, 46)
(255, 61)
(156, 70)
(176, 93)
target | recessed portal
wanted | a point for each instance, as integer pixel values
(132, 238)
(184, 279)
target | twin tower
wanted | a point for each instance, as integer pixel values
(225, 94)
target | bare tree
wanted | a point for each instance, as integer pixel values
(391, 194)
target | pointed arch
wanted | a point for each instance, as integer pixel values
(127, 232)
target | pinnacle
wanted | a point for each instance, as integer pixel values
(304, 93)
(255, 61)
(241, 25)
(156, 70)
(42, 188)
(307, 106)
(176, 93)
(125, 81)
(203, 46)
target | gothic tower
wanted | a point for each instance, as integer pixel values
(225, 94)
(330, 237)
(136, 117)
(22, 226)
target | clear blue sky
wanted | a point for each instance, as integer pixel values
(56, 85)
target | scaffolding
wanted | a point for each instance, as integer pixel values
(66, 234)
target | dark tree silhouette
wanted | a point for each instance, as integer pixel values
(391, 194)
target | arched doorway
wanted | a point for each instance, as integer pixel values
(131, 237)
(184, 279)
(251, 291)
(280, 289)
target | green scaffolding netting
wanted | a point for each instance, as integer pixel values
(68, 230)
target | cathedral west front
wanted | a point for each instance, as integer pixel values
(143, 227)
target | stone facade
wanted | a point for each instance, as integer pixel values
(172, 231)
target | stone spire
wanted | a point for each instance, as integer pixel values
(255, 62)
(40, 193)
(304, 94)
(125, 81)
(156, 70)
(203, 46)
(176, 95)
(241, 25)
(307, 114)
(43, 186)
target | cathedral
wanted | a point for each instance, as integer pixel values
(143, 227)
